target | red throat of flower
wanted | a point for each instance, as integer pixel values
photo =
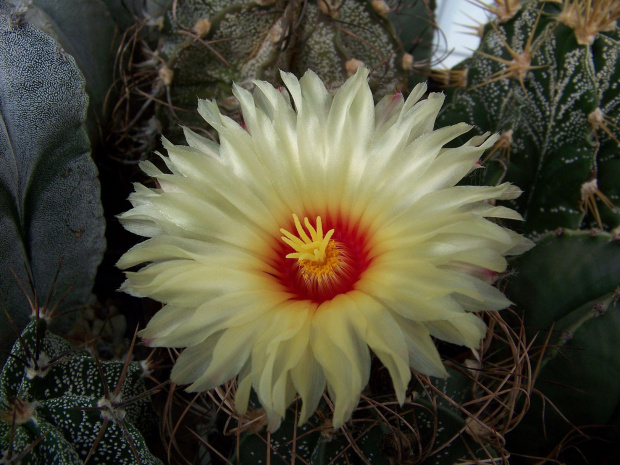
(320, 261)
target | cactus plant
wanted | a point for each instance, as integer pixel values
(90, 31)
(49, 193)
(62, 405)
(577, 318)
(545, 77)
(205, 46)
(87, 31)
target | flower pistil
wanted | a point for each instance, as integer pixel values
(324, 264)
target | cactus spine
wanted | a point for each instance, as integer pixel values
(545, 77)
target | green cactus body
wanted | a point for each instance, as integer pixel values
(567, 288)
(554, 97)
(206, 46)
(50, 210)
(55, 405)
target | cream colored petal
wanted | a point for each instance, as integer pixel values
(450, 199)
(308, 378)
(237, 150)
(415, 95)
(316, 98)
(220, 313)
(205, 146)
(194, 361)
(424, 112)
(416, 277)
(450, 167)
(342, 354)
(387, 112)
(466, 330)
(244, 388)
(386, 340)
(361, 172)
(294, 88)
(216, 275)
(411, 287)
(208, 179)
(163, 248)
(275, 148)
(185, 216)
(413, 303)
(410, 233)
(423, 355)
(408, 169)
(229, 355)
(485, 297)
(519, 244)
(437, 209)
(284, 123)
(277, 351)
(446, 248)
(414, 119)
(312, 102)
(488, 211)
(166, 320)
(350, 126)
(141, 224)
(481, 227)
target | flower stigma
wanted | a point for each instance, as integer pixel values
(326, 264)
(317, 255)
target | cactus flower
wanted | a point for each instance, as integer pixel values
(323, 228)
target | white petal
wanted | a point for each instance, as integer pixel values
(244, 389)
(228, 357)
(277, 351)
(194, 361)
(162, 248)
(166, 320)
(309, 381)
(201, 143)
(219, 313)
(387, 341)
(466, 330)
(191, 283)
(423, 355)
(343, 355)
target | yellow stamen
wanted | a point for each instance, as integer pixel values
(317, 254)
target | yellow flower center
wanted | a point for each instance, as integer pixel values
(317, 254)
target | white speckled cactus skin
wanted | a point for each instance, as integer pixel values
(554, 96)
(55, 401)
(206, 46)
